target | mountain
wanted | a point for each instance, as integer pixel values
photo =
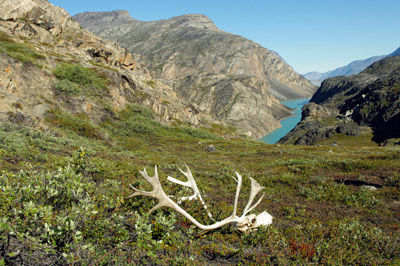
(192, 45)
(42, 47)
(353, 105)
(233, 79)
(51, 63)
(395, 53)
(354, 67)
(58, 47)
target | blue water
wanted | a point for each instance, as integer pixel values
(288, 123)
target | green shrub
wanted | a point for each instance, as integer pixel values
(80, 124)
(19, 51)
(19, 144)
(48, 210)
(73, 78)
(137, 119)
(68, 87)
(137, 111)
(340, 194)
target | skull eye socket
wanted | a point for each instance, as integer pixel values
(253, 220)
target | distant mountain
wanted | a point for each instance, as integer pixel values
(354, 67)
(352, 105)
(232, 78)
(395, 53)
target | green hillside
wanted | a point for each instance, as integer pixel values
(63, 190)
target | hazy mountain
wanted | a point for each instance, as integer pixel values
(354, 67)
(395, 53)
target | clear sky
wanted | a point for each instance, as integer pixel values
(311, 35)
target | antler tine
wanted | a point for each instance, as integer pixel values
(153, 181)
(255, 189)
(165, 201)
(189, 183)
(239, 185)
(139, 192)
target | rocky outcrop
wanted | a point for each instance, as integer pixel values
(228, 99)
(343, 105)
(313, 126)
(46, 35)
(37, 13)
(313, 131)
(314, 110)
(192, 55)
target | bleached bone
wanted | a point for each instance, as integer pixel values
(192, 184)
(244, 223)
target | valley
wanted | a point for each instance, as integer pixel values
(287, 124)
(82, 115)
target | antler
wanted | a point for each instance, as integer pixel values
(243, 222)
(192, 184)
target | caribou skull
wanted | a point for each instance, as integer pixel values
(244, 223)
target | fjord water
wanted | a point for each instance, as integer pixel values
(288, 123)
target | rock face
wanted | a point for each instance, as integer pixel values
(46, 35)
(345, 104)
(354, 67)
(192, 45)
(233, 79)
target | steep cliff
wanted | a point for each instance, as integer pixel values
(345, 105)
(201, 62)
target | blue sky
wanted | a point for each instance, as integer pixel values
(311, 35)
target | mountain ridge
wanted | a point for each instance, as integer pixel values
(352, 68)
(175, 22)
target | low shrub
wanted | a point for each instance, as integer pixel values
(67, 87)
(80, 124)
(19, 51)
(74, 78)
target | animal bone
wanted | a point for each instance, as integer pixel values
(244, 223)
(192, 184)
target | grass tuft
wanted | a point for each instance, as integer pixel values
(22, 52)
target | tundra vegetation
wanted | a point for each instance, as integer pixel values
(63, 196)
